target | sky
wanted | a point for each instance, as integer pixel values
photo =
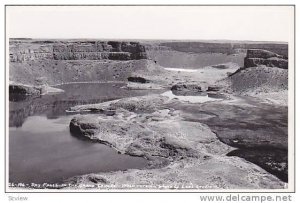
(255, 23)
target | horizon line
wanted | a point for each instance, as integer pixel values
(147, 39)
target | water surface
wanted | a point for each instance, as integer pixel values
(41, 148)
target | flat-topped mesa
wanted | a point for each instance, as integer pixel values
(256, 57)
(76, 50)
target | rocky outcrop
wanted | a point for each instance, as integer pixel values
(20, 89)
(256, 57)
(147, 123)
(271, 62)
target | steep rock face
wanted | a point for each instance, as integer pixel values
(25, 52)
(111, 50)
(256, 57)
(272, 62)
(21, 51)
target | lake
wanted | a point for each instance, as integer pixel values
(41, 148)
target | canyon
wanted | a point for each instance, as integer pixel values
(201, 114)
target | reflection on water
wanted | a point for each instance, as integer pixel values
(53, 106)
(41, 148)
(19, 97)
(43, 151)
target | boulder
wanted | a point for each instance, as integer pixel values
(186, 89)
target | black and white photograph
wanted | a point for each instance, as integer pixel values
(149, 98)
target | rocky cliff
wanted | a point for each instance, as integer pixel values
(256, 57)
(64, 61)
(21, 51)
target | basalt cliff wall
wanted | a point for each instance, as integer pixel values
(21, 51)
(64, 61)
(257, 57)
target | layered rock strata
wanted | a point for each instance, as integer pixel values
(77, 50)
(256, 57)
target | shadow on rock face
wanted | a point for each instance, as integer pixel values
(82, 132)
(273, 160)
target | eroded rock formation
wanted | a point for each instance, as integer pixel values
(256, 57)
